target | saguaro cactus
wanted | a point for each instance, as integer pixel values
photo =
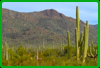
(63, 42)
(91, 54)
(92, 45)
(77, 21)
(69, 45)
(87, 28)
(91, 49)
(78, 31)
(96, 51)
(76, 43)
(61, 45)
(6, 51)
(53, 45)
(85, 47)
(80, 43)
(86, 32)
(37, 55)
(2, 46)
(43, 43)
(39, 47)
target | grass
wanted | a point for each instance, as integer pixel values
(48, 57)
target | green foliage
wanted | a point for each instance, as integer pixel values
(21, 50)
(31, 52)
(49, 57)
(50, 52)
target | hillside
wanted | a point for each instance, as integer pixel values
(31, 28)
(94, 26)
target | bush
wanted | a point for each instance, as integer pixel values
(50, 52)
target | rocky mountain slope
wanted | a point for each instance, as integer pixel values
(94, 26)
(34, 27)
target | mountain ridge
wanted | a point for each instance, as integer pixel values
(47, 14)
(27, 26)
(94, 26)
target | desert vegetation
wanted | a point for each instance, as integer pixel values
(84, 53)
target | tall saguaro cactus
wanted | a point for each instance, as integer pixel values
(85, 46)
(77, 21)
(87, 28)
(86, 32)
(69, 45)
(76, 43)
(78, 31)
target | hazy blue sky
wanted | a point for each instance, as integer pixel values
(87, 10)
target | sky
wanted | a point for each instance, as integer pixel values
(87, 10)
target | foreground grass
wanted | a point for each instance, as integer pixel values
(49, 57)
(49, 61)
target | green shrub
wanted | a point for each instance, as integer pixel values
(50, 52)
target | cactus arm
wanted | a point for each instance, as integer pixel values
(91, 51)
(81, 43)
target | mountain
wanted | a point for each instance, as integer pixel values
(94, 26)
(34, 27)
